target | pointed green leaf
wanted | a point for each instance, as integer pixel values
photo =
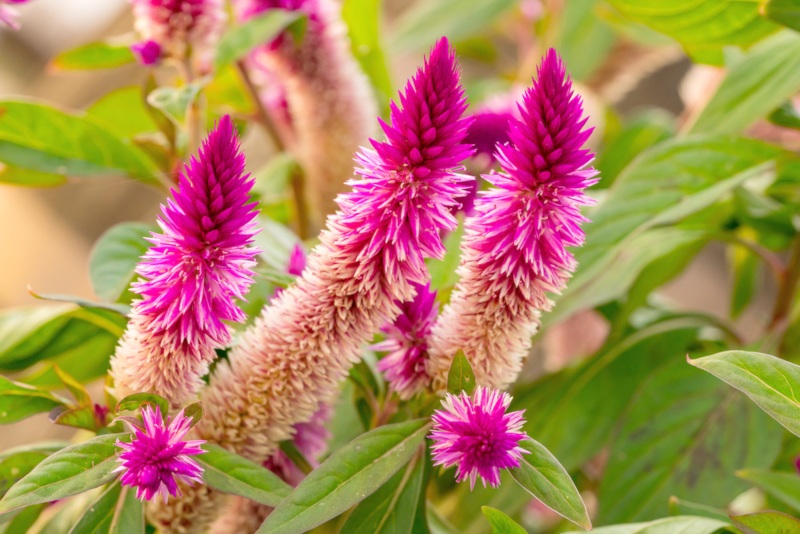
(97, 518)
(391, 509)
(348, 476)
(783, 486)
(230, 473)
(239, 41)
(18, 462)
(681, 507)
(134, 402)
(22, 520)
(100, 55)
(460, 377)
(773, 384)
(19, 401)
(500, 522)
(364, 20)
(114, 259)
(129, 514)
(766, 522)
(786, 12)
(67, 472)
(543, 477)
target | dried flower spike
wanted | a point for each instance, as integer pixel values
(158, 457)
(476, 435)
(515, 246)
(193, 272)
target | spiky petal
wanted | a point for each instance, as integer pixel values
(331, 105)
(407, 344)
(515, 247)
(294, 357)
(180, 26)
(158, 457)
(192, 274)
(476, 435)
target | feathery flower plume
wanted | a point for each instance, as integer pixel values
(294, 357)
(329, 99)
(407, 343)
(192, 273)
(158, 457)
(477, 435)
(515, 246)
(8, 15)
(178, 28)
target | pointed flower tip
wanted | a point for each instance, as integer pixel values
(475, 434)
(157, 456)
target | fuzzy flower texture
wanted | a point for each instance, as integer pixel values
(157, 456)
(476, 435)
(193, 272)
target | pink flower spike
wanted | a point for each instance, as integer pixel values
(192, 275)
(147, 52)
(157, 457)
(407, 344)
(476, 435)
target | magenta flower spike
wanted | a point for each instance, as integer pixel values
(515, 246)
(192, 274)
(293, 358)
(158, 457)
(407, 344)
(476, 435)
(176, 28)
(321, 100)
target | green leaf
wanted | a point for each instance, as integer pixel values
(23, 520)
(763, 522)
(663, 186)
(41, 138)
(239, 41)
(770, 382)
(703, 27)
(114, 259)
(683, 434)
(500, 522)
(348, 476)
(123, 112)
(669, 525)
(79, 340)
(83, 417)
(680, 507)
(543, 477)
(230, 473)
(786, 115)
(100, 55)
(585, 39)
(19, 401)
(275, 241)
(67, 472)
(98, 517)
(785, 12)
(767, 76)
(392, 508)
(135, 401)
(783, 486)
(555, 407)
(363, 19)
(174, 102)
(18, 462)
(460, 376)
(422, 24)
(129, 514)
(28, 178)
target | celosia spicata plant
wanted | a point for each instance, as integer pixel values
(193, 272)
(515, 248)
(342, 335)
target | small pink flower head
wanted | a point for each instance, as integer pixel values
(544, 178)
(407, 343)
(147, 52)
(409, 181)
(202, 261)
(297, 260)
(180, 26)
(157, 457)
(477, 435)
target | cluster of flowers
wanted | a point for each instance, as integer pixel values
(367, 273)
